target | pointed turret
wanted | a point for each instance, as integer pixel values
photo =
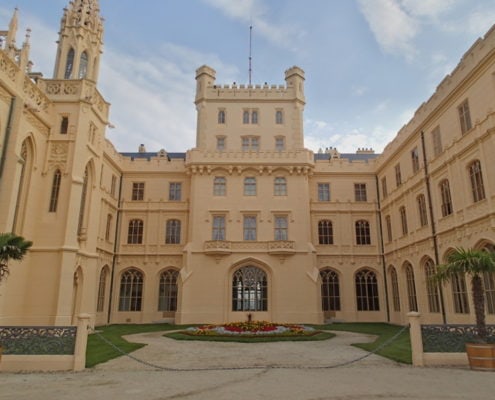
(80, 41)
(10, 42)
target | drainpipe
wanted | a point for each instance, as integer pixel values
(115, 246)
(382, 248)
(432, 219)
(8, 130)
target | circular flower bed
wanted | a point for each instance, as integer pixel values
(255, 328)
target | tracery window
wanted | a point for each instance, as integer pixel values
(69, 64)
(477, 187)
(172, 234)
(167, 290)
(330, 290)
(135, 231)
(83, 65)
(57, 177)
(131, 290)
(249, 289)
(423, 216)
(367, 291)
(446, 205)
(395, 289)
(460, 295)
(411, 288)
(100, 306)
(325, 232)
(362, 232)
(432, 287)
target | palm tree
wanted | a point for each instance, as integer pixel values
(474, 263)
(12, 247)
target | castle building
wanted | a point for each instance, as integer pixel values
(246, 223)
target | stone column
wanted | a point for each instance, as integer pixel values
(416, 338)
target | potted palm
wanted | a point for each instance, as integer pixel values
(474, 263)
(12, 247)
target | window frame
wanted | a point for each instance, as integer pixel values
(250, 186)
(281, 227)
(476, 179)
(135, 231)
(175, 191)
(446, 205)
(218, 227)
(173, 229)
(280, 186)
(464, 117)
(363, 232)
(249, 227)
(360, 192)
(325, 232)
(323, 191)
(220, 186)
(137, 191)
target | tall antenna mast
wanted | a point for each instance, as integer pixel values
(250, 49)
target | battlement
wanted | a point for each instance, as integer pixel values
(208, 89)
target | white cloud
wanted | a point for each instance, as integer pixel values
(427, 8)
(393, 28)
(254, 12)
(479, 22)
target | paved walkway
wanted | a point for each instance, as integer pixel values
(368, 379)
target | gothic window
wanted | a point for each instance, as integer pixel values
(100, 305)
(172, 232)
(64, 125)
(135, 231)
(398, 175)
(131, 290)
(281, 227)
(279, 117)
(69, 64)
(477, 187)
(403, 219)
(446, 205)
(167, 290)
(489, 285)
(245, 117)
(367, 291)
(325, 232)
(175, 191)
(57, 177)
(82, 209)
(249, 227)
(460, 295)
(249, 289)
(330, 290)
(411, 288)
(221, 117)
(423, 216)
(360, 192)
(388, 224)
(362, 232)
(323, 192)
(280, 186)
(432, 287)
(250, 186)
(218, 229)
(464, 117)
(83, 65)
(137, 191)
(254, 117)
(219, 186)
(415, 159)
(395, 289)
(108, 227)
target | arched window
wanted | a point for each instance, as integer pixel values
(83, 65)
(279, 117)
(221, 117)
(249, 290)
(172, 234)
(167, 291)
(108, 227)
(411, 288)
(330, 290)
(69, 65)
(459, 293)
(131, 290)
(280, 186)
(367, 291)
(363, 232)
(325, 232)
(432, 287)
(26, 160)
(477, 187)
(254, 117)
(57, 177)
(100, 305)
(219, 186)
(135, 232)
(395, 289)
(245, 117)
(447, 208)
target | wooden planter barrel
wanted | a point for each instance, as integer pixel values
(481, 356)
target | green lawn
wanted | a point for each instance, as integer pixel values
(399, 350)
(99, 351)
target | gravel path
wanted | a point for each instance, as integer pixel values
(368, 379)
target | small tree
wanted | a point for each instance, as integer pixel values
(473, 263)
(12, 247)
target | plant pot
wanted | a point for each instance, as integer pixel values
(481, 356)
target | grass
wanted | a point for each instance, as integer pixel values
(399, 350)
(99, 351)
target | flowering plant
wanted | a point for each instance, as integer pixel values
(251, 328)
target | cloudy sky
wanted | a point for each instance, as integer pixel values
(369, 63)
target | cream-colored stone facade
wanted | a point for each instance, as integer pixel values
(248, 221)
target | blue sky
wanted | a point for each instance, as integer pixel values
(369, 63)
